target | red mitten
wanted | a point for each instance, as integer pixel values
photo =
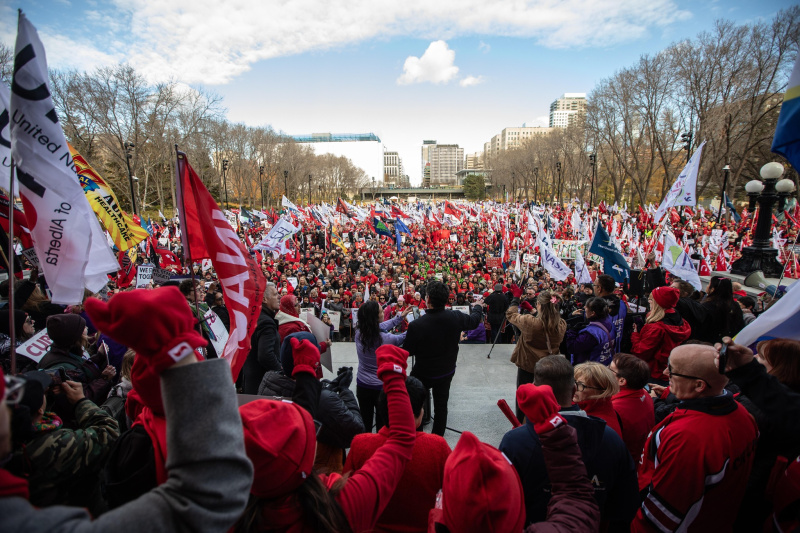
(516, 291)
(540, 407)
(305, 356)
(157, 324)
(526, 306)
(392, 361)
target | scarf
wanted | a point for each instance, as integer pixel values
(49, 422)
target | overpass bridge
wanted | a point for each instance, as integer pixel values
(368, 193)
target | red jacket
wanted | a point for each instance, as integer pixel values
(602, 409)
(657, 339)
(422, 479)
(695, 467)
(637, 417)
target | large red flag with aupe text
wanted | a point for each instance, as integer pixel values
(208, 235)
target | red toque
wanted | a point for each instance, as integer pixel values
(666, 297)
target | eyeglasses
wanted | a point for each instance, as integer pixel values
(581, 386)
(15, 389)
(675, 374)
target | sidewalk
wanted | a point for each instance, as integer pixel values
(478, 384)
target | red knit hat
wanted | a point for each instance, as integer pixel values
(666, 297)
(481, 490)
(280, 440)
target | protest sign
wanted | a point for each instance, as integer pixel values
(36, 347)
(463, 308)
(144, 275)
(30, 255)
(217, 332)
(336, 318)
(494, 262)
(322, 332)
(160, 276)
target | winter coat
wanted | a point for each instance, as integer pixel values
(209, 457)
(608, 465)
(604, 410)
(636, 418)
(367, 365)
(61, 465)
(337, 412)
(656, 340)
(496, 306)
(720, 324)
(533, 342)
(264, 353)
(433, 339)
(695, 314)
(288, 324)
(595, 342)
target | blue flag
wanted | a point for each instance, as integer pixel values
(736, 217)
(380, 228)
(399, 240)
(399, 227)
(613, 263)
(787, 133)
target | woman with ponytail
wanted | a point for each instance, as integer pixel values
(541, 332)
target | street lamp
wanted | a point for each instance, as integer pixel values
(726, 171)
(309, 189)
(261, 184)
(225, 180)
(514, 186)
(686, 139)
(760, 255)
(138, 194)
(285, 183)
(593, 164)
(129, 146)
(536, 183)
(558, 171)
(319, 193)
(373, 189)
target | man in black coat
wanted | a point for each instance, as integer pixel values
(497, 304)
(265, 344)
(433, 340)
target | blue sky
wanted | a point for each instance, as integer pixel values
(457, 71)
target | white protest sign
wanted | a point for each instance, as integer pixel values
(144, 275)
(322, 332)
(292, 281)
(36, 347)
(218, 334)
(336, 318)
(30, 255)
(463, 308)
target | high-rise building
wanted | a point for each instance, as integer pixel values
(445, 162)
(474, 161)
(509, 139)
(392, 169)
(426, 157)
(564, 110)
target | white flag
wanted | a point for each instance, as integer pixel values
(5, 140)
(67, 237)
(551, 262)
(285, 202)
(275, 240)
(581, 271)
(678, 262)
(683, 191)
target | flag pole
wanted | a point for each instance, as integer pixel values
(187, 252)
(10, 262)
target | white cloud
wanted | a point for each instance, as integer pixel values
(539, 122)
(484, 47)
(435, 66)
(213, 42)
(469, 81)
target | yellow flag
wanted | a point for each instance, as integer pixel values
(123, 230)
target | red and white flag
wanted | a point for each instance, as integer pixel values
(208, 235)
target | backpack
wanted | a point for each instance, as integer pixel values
(131, 468)
(114, 406)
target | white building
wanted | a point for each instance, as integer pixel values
(444, 162)
(392, 169)
(564, 110)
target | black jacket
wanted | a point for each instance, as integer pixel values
(264, 352)
(721, 323)
(496, 304)
(694, 313)
(608, 464)
(337, 411)
(433, 340)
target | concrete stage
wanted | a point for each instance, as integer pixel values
(478, 384)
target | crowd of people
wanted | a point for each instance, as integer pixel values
(625, 422)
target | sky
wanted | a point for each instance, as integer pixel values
(456, 71)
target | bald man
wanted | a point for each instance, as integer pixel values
(696, 462)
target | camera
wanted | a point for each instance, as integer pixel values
(58, 375)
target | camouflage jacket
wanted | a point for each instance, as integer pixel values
(59, 462)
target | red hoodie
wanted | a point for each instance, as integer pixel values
(656, 340)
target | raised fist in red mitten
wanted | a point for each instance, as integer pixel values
(540, 407)
(305, 356)
(516, 291)
(392, 361)
(156, 324)
(526, 306)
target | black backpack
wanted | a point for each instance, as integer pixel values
(131, 468)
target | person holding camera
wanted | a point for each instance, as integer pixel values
(61, 465)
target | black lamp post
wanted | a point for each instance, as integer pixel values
(261, 184)
(760, 255)
(373, 189)
(513, 186)
(686, 139)
(558, 172)
(309, 189)
(319, 193)
(129, 146)
(285, 183)
(726, 171)
(225, 180)
(536, 183)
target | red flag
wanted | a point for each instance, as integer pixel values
(210, 236)
(127, 270)
(602, 207)
(341, 207)
(168, 259)
(450, 209)
(21, 230)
